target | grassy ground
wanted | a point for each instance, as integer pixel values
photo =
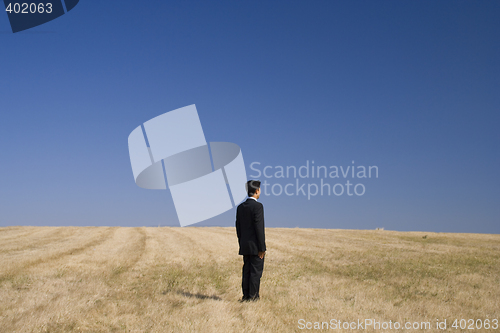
(188, 279)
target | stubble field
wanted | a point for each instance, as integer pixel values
(100, 279)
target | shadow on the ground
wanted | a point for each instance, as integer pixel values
(198, 295)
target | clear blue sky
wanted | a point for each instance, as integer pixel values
(412, 87)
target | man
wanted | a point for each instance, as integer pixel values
(251, 238)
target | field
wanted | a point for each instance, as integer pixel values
(103, 279)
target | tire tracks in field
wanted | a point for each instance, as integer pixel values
(321, 258)
(153, 248)
(193, 243)
(113, 256)
(137, 251)
(118, 280)
(292, 256)
(141, 248)
(227, 237)
(38, 241)
(36, 311)
(16, 270)
(21, 232)
(116, 254)
(6, 229)
(128, 243)
(214, 257)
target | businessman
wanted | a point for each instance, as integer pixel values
(251, 238)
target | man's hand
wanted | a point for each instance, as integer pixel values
(261, 254)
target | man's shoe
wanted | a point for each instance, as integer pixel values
(244, 299)
(254, 299)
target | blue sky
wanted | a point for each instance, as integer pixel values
(411, 87)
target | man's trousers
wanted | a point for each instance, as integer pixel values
(252, 272)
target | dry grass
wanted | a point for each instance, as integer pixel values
(188, 279)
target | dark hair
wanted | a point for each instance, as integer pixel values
(252, 186)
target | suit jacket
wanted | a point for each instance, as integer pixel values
(250, 227)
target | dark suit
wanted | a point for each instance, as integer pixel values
(251, 238)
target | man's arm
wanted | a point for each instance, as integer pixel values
(259, 229)
(238, 229)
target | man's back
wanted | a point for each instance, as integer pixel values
(250, 227)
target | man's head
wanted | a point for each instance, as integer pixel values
(253, 188)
